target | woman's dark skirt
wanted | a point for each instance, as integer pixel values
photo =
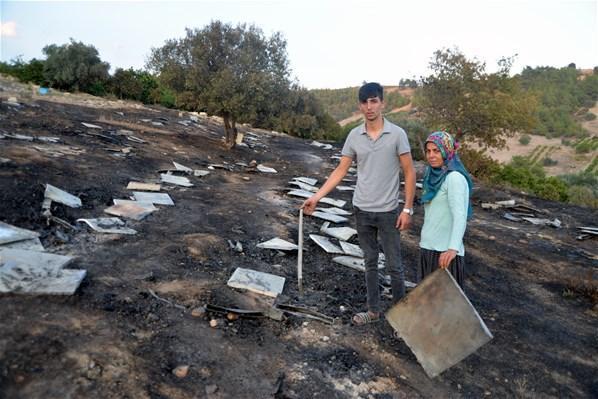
(428, 263)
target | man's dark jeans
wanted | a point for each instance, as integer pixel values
(370, 225)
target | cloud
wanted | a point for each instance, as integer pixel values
(8, 29)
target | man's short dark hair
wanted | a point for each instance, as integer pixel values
(370, 90)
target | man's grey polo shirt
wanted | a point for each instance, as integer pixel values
(378, 166)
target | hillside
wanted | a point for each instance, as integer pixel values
(540, 147)
(137, 315)
(341, 104)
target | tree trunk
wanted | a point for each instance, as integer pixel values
(230, 131)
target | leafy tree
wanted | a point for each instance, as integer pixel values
(27, 72)
(230, 71)
(136, 85)
(479, 107)
(75, 66)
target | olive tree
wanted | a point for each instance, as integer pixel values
(478, 107)
(75, 66)
(230, 71)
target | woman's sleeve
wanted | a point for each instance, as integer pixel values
(458, 200)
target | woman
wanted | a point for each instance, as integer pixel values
(447, 188)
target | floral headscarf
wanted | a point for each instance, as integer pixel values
(434, 177)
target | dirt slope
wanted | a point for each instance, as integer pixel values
(114, 339)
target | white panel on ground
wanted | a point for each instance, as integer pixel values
(336, 211)
(33, 244)
(278, 243)
(331, 217)
(9, 233)
(58, 195)
(23, 278)
(341, 233)
(154, 198)
(182, 168)
(176, 180)
(108, 225)
(252, 280)
(325, 200)
(307, 180)
(351, 249)
(326, 244)
(355, 263)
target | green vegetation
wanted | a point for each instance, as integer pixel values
(561, 94)
(238, 73)
(525, 139)
(342, 103)
(520, 173)
(586, 145)
(75, 67)
(28, 72)
(476, 106)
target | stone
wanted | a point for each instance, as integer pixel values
(439, 324)
(259, 282)
(181, 371)
(211, 389)
(198, 312)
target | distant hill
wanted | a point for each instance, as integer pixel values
(341, 104)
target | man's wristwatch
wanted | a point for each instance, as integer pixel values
(409, 211)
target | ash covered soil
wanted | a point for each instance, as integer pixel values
(130, 324)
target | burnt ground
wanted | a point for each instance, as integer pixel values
(114, 339)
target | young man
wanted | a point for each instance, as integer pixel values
(381, 149)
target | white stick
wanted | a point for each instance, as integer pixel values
(300, 253)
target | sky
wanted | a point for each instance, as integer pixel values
(330, 43)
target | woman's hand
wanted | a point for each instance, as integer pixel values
(446, 258)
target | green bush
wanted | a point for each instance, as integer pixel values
(583, 147)
(582, 195)
(525, 139)
(589, 116)
(479, 164)
(531, 178)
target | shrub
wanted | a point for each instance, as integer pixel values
(583, 147)
(525, 139)
(549, 161)
(589, 116)
(582, 195)
(479, 164)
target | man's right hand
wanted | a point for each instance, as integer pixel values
(309, 206)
